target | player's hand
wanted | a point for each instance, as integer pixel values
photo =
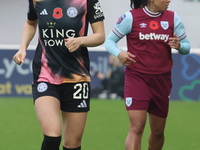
(126, 58)
(174, 42)
(72, 44)
(19, 57)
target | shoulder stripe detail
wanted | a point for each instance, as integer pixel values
(117, 33)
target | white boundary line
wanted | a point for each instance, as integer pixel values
(98, 49)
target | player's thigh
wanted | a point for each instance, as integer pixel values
(48, 113)
(73, 125)
(157, 124)
(137, 120)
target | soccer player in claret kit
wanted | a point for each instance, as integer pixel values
(61, 65)
(151, 31)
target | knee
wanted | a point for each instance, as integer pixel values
(157, 133)
(72, 142)
(51, 130)
(137, 129)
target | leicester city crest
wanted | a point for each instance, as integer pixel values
(164, 24)
(72, 12)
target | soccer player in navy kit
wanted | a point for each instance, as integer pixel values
(61, 65)
(151, 31)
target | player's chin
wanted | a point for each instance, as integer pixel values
(164, 9)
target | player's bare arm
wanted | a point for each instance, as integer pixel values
(92, 40)
(27, 35)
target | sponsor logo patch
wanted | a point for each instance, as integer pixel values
(154, 36)
(121, 18)
(98, 10)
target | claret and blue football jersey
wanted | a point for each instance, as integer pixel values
(148, 36)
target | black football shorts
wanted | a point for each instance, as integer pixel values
(73, 97)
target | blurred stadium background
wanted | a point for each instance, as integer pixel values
(107, 123)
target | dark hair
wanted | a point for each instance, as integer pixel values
(138, 3)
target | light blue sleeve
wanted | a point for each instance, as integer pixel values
(122, 28)
(180, 32)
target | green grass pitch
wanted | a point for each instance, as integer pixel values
(106, 127)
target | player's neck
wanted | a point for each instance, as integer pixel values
(152, 9)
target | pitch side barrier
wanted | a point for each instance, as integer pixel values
(15, 80)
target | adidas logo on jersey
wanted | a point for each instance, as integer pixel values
(44, 12)
(82, 104)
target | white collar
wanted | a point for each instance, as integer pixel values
(151, 14)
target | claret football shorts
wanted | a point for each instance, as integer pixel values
(73, 97)
(148, 92)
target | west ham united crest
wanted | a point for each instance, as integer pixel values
(128, 101)
(164, 24)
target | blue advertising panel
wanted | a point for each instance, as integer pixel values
(15, 80)
(186, 77)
